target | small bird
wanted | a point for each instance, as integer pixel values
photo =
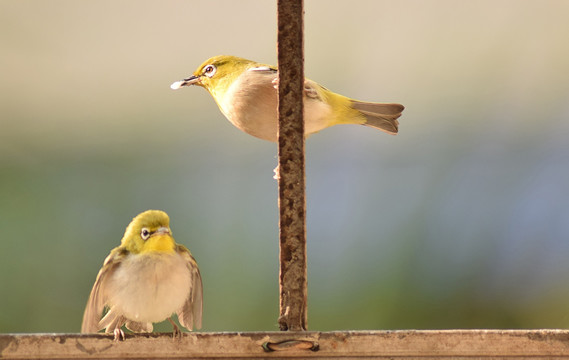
(145, 280)
(246, 93)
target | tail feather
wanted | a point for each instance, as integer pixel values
(380, 115)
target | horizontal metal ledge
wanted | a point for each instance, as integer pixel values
(400, 344)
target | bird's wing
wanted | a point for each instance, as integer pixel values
(190, 313)
(264, 69)
(265, 73)
(98, 298)
(312, 90)
(111, 321)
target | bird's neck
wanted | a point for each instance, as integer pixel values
(159, 244)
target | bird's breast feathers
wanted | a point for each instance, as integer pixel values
(250, 103)
(149, 287)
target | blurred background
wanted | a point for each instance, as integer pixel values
(460, 221)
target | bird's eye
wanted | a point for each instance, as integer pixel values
(209, 70)
(144, 233)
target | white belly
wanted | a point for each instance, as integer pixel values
(149, 288)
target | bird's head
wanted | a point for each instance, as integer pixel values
(216, 74)
(149, 232)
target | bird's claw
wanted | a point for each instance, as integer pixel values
(309, 90)
(176, 333)
(119, 335)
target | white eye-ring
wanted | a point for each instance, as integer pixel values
(144, 233)
(209, 70)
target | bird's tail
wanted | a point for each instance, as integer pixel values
(380, 115)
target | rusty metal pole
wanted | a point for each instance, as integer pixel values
(291, 179)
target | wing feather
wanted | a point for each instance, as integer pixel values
(190, 314)
(98, 297)
(381, 116)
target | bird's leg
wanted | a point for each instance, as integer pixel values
(310, 91)
(119, 334)
(176, 333)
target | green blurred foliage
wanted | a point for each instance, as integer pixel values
(460, 221)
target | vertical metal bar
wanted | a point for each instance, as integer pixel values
(292, 203)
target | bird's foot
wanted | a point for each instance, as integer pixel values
(176, 333)
(119, 334)
(309, 90)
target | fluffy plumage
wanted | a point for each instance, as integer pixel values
(145, 280)
(246, 94)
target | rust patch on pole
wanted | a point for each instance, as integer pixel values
(291, 179)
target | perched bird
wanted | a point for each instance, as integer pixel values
(145, 280)
(246, 93)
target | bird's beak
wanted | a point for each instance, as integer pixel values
(186, 82)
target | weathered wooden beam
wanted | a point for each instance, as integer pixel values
(291, 176)
(402, 344)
